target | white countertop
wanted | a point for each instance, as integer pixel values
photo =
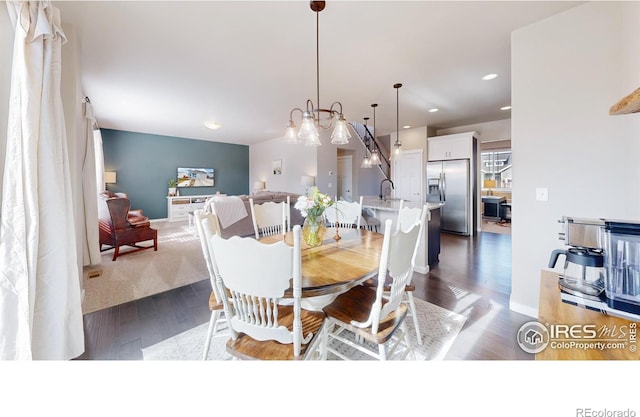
(374, 203)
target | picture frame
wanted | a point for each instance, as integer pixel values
(277, 167)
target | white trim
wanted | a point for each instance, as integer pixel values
(523, 309)
(421, 269)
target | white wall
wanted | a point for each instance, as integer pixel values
(415, 138)
(567, 71)
(487, 132)
(297, 160)
(6, 53)
(320, 162)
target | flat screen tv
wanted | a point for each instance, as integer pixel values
(195, 177)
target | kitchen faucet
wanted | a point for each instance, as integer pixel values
(382, 182)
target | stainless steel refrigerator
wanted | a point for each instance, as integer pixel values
(449, 182)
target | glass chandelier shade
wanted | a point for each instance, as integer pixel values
(308, 131)
(291, 136)
(397, 150)
(340, 135)
(375, 157)
(366, 162)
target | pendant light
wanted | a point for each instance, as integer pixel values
(397, 146)
(366, 161)
(309, 130)
(375, 156)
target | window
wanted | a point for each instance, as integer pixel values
(496, 165)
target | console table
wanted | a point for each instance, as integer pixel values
(178, 208)
(492, 208)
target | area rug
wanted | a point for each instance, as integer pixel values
(177, 262)
(439, 328)
(503, 228)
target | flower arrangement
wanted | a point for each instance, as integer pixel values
(315, 205)
(312, 209)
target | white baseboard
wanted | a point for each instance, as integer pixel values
(158, 220)
(421, 269)
(523, 309)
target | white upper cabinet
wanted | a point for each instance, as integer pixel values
(456, 146)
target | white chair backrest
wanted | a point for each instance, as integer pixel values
(344, 214)
(407, 216)
(269, 218)
(257, 275)
(208, 220)
(397, 259)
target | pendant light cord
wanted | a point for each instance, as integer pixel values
(318, 62)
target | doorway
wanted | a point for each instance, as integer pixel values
(345, 178)
(495, 170)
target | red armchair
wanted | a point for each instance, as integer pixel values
(120, 226)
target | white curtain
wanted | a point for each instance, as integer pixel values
(40, 299)
(90, 244)
(99, 154)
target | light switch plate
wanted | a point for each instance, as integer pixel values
(329, 186)
(542, 194)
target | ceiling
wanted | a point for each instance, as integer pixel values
(165, 67)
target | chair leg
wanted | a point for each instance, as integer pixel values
(412, 306)
(407, 340)
(382, 352)
(325, 340)
(212, 325)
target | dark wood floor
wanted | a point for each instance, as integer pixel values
(473, 278)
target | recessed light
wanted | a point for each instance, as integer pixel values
(489, 77)
(505, 108)
(406, 127)
(433, 110)
(213, 125)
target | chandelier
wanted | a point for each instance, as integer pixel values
(310, 117)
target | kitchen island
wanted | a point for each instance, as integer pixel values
(429, 249)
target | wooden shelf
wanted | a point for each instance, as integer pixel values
(627, 105)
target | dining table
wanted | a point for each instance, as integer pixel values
(336, 265)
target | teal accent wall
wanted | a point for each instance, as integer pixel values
(144, 164)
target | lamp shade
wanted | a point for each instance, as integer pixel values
(110, 177)
(308, 180)
(489, 184)
(258, 185)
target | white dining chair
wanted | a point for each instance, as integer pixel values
(407, 217)
(344, 214)
(266, 321)
(269, 218)
(364, 315)
(209, 220)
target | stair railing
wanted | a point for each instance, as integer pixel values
(365, 136)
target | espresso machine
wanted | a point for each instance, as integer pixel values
(583, 273)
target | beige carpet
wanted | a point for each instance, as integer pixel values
(177, 262)
(439, 328)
